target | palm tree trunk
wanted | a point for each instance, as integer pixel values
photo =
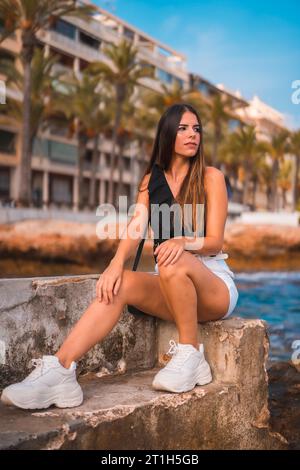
(283, 198)
(121, 90)
(113, 155)
(254, 193)
(121, 170)
(82, 140)
(246, 182)
(296, 183)
(274, 185)
(215, 147)
(95, 159)
(269, 197)
(246, 190)
(24, 196)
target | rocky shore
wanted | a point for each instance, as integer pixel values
(263, 247)
(284, 401)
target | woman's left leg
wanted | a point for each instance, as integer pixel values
(193, 293)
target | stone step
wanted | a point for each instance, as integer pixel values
(124, 412)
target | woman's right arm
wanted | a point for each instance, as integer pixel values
(111, 278)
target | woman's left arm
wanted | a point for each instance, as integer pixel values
(217, 207)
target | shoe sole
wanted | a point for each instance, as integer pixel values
(75, 398)
(203, 380)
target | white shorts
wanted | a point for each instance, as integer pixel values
(221, 269)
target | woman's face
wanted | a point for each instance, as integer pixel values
(188, 135)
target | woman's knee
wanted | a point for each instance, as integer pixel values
(180, 268)
(172, 271)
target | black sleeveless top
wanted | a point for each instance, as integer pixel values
(160, 193)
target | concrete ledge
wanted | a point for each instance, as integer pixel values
(37, 314)
(237, 351)
(124, 412)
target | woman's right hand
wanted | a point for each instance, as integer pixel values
(109, 282)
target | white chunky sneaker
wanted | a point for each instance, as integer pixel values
(184, 371)
(48, 384)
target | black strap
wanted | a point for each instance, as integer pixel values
(139, 250)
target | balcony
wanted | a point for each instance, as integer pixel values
(100, 31)
(168, 63)
(73, 47)
(55, 151)
(151, 83)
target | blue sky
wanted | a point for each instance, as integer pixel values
(252, 46)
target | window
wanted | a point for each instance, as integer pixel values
(2, 28)
(150, 68)
(88, 156)
(4, 182)
(63, 59)
(179, 81)
(164, 76)
(89, 40)
(127, 163)
(128, 33)
(6, 56)
(233, 124)
(202, 87)
(61, 189)
(65, 28)
(7, 142)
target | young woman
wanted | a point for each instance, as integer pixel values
(192, 283)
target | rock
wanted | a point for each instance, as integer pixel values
(284, 401)
(248, 246)
(121, 410)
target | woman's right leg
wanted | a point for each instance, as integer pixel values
(100, 318)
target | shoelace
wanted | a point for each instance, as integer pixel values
(39, 368)
(178, 357)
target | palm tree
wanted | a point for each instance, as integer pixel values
(259, 155)
(143, 123)
(265, 178)
(232, 159)
(122, 73)
(277, 149)
(284, 179)
(30, 16)
(102, 125)
(171, 95)
(243, 143)
(295, 150)
(43, 78)
(82, 103)
(217, 115)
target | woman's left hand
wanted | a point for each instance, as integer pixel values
(169, 251)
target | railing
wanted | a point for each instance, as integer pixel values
(72, 46)
(162, 61)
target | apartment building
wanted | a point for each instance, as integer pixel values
(267, 120)
(77, 43)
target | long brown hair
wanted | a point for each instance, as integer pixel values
(192, 190)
